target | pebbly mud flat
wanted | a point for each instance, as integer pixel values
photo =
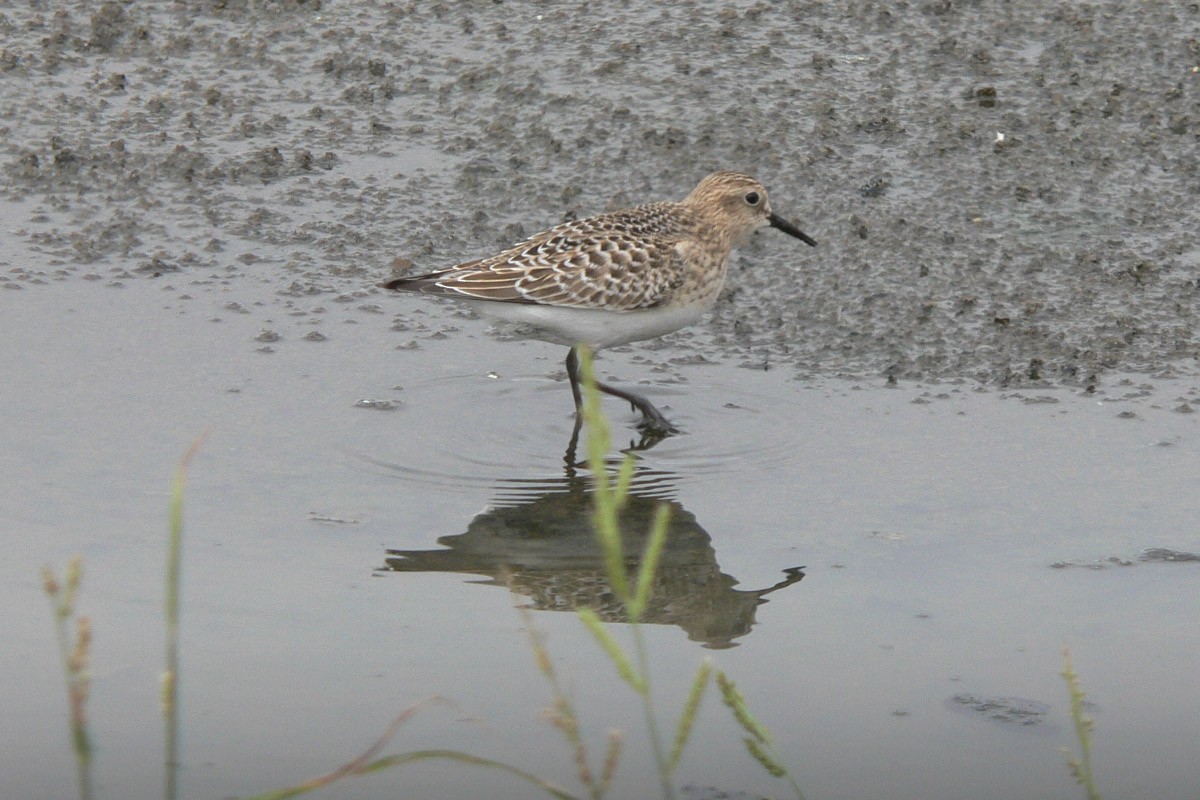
(1005, 195)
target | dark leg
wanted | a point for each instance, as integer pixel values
(573, 375)
(569, 459)
(652, 419)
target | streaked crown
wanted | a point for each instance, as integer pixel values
(734, 202)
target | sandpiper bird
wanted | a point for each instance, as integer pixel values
(615, 278)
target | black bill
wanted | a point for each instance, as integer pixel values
(790, 229)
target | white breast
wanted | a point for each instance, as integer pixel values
(598, 328)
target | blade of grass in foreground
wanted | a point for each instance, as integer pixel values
(1081, 768)
(170, 676)
(609, 497)
(562, 714)
(612, 649)
(75, 659)
(367, 763)
(688, 718)
(650, 558)
(758, 743)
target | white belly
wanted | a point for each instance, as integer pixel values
(598, 328)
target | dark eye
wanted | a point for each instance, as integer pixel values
(752, 198)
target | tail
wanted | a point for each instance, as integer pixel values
(423, 284)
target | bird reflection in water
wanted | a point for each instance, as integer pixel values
(538, 540)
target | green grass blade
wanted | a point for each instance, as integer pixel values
(650, 560)
(400, 759)
(624, 480)
(609, 537)
(611, 758)
(367, 762)
(764, 758)
(758, 743)
(76, 658)
(562, 714)
(690, 708)
(1081, 768)
(737, 704)
(73, 579)
(606, 497)
(612, 649)
(598, 436)
(170, 677)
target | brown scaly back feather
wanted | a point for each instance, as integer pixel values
(624, 259)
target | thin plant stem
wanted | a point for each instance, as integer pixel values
(1081, 768)
(563, 716)
(369, 761)
(660, 756)
(75, 658)
(170, 676)
(690, 708)
(610, 496)
(611, 758)
(650, 558)
(612, 649)
(758, 743)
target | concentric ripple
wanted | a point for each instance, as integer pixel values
(512, 434)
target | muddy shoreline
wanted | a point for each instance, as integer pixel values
(1005, 195)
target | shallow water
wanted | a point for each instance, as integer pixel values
(343, 563)
(917, 461)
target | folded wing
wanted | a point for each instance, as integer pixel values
(625, 260)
